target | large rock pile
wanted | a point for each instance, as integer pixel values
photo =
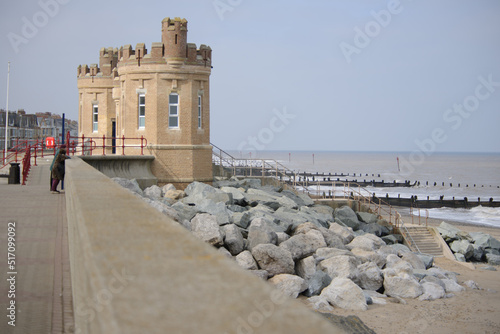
(337, 258)
(473, 247)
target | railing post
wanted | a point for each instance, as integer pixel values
(83, 144)
(123, 144)
(103, 144)
(35, 154)
(221, 168)
(142, 145)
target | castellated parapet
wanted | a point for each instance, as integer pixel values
(161, 94)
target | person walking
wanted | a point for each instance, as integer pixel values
(58, 170)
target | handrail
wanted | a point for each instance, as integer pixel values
(406, 234)
(279, 171)
(87, 145)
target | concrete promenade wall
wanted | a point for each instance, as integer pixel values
(136, 271)
(130, 167)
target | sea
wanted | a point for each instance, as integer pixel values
(458, 175)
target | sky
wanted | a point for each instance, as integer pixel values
(417, 76)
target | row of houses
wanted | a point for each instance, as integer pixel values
(23, 126)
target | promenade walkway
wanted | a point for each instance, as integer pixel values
(43, 297)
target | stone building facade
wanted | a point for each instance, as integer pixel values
(162, 95)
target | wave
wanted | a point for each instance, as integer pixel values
(479, 215)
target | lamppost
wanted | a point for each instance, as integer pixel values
(7, 113)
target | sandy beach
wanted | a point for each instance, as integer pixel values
(470, 311)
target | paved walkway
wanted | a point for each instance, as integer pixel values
(42, 275)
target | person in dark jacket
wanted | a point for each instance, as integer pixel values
(58, 170)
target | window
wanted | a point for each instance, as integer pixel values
(142, 111)
(95, 113)
(173, 111)
(199, 111)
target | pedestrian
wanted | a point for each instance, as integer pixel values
(58, 169)
(52, 164)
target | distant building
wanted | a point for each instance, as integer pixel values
(163, 95)
(50, 125)
(23, 126)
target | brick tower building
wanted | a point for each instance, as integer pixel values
(163, 95)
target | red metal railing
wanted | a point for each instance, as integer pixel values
(102, 145)
(74, 145)
(18, 150)
(27, 164)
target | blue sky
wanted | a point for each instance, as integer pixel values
(288, 75)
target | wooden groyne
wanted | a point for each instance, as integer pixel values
(350, 185)
(414, 202)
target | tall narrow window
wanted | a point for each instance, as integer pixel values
(173, 111)
(142, 111)
(95, 114)
(199, 111)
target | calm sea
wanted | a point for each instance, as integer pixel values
(477, 174)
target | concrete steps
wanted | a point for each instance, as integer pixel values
(425, 241)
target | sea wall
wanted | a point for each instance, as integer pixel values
(134, 270)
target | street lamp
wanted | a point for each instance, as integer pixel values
(7, 113)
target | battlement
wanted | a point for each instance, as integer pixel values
(173, 49)
(175, 24)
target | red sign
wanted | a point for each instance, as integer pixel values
(49, 142)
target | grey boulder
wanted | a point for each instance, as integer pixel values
(204, 226)
(289, 285)
(246, 261)
(303, 245)
(233, 239)
(344, 293)
(260, 233)
(432, 291)
(273, 259)
(370, 277)
(347, 216)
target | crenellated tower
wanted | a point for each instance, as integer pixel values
(174, 38)
(163, 95)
